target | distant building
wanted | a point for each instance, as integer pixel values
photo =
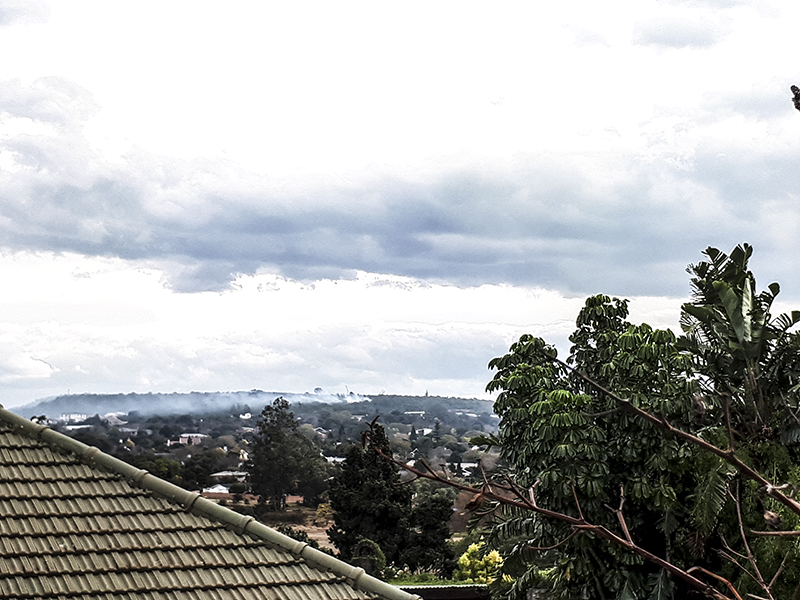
(72, 417)
(217, 489)
(188, 439)
(113, 420)
(228, 476)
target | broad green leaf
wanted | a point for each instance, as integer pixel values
(663, 587)
(733, 308)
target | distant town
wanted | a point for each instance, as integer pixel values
(201, 441)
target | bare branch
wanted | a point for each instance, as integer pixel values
(577, 504)
(719, 578)
(561, 543)
(775, 533)
(605, 413)
(780, 570)
(729, 549)
(620, 516)
(751, 559)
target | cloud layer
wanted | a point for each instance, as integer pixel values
(286, 196)
(623, 221)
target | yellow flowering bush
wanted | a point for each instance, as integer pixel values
(476, 567)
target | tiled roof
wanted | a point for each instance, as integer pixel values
(78, 523)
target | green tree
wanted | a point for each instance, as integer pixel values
(568, 441)
(410, 525)
(283, 461)
(196, 470)
(369, 502)
(428, 548)
(586, 456)
(646, 466)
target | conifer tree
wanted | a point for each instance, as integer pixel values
(369, 503)
(283, 460)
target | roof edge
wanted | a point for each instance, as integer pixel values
(192, 501)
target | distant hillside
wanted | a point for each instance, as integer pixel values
(252, 401)
(174, 403)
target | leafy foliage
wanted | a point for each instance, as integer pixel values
(581, 454)
(428, 548)
(477, 565)
(283, 461)
(370, 503)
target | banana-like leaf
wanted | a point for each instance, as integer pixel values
(663, 587)
(734, 309)
(709, 498)
(627, 593)
(786, 320)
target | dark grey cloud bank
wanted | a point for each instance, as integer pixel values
(579, 223)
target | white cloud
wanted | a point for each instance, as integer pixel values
(163, 166)
(677, 32)
(23, 11)
(100, 325)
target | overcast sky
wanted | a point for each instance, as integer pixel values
(372, 196)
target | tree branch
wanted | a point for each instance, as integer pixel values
(578, 524)
(561, 543)
(728, 456)
(775, 533)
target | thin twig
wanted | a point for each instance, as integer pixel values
(485, 478)
(730, 558)
(719, 578)
(532, 489)
(789, 408)
(775, 533)
(780, 570)
(729, 549)
(759, 579)
(561, 543)
(518, 493)
(620, 515)
(577, 504)
(602, 414)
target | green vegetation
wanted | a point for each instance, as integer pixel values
(730, 383)
(283, 461)
(477, 565)
(645, 465)
(231, 439)
(369, 502)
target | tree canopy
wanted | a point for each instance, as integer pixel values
(369, 502)
(410, 525)
(730, 380)
(651, 465)
(283, 461)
